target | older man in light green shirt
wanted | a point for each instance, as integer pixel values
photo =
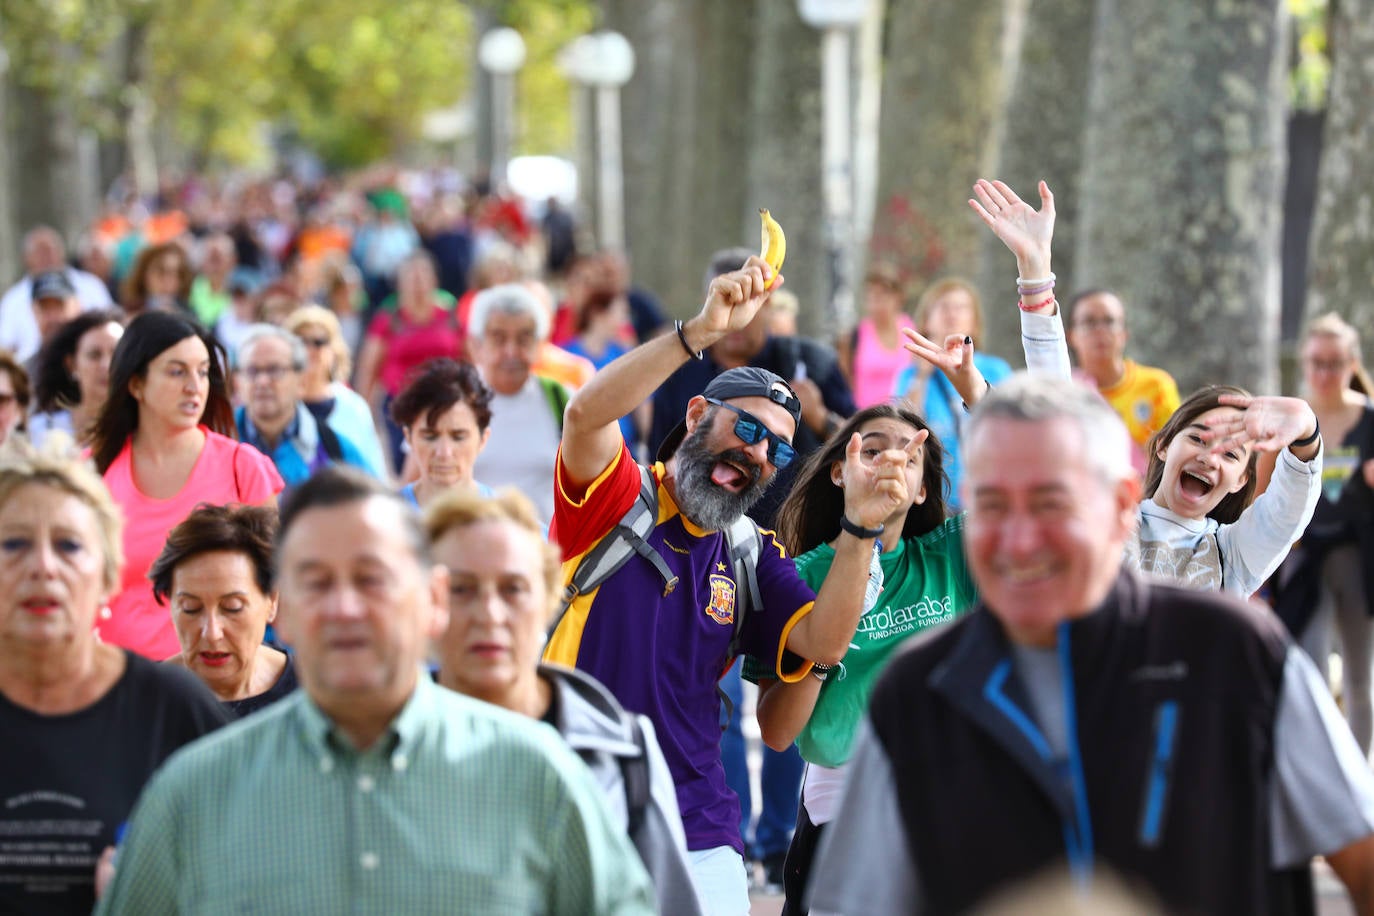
(372, 790)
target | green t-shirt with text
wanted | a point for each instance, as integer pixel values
(926, 582)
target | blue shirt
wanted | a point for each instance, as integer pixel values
(300, 451)
(944, 412)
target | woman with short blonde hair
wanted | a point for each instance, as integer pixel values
(324, 383)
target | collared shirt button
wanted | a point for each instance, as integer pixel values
(326, 765)
(399, 762)
(366, 783)
(368, 861)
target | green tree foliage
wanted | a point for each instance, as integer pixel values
(350, 79)
(1311, 74)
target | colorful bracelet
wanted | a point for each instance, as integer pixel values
(1021, 304)
(1034, 290)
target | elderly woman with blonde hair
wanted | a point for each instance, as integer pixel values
(85, 723)
(503, 592)
(324, 384)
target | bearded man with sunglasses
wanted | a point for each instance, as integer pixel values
(662, 648)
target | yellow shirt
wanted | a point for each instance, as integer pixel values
(1145, 398)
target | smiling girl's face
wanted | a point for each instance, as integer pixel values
(1199, 473)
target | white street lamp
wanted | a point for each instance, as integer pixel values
(837, 19)
(605, 61)
(501, 52)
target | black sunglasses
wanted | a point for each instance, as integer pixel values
(750, 430)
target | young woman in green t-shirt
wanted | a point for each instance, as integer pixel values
(919, 579)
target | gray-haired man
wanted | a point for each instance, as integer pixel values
(1082, 714)
(506, 327)
(273, 418)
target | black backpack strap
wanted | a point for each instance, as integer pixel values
(329, 441)
(634, 772)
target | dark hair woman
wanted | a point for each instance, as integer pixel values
(164, 443)
(918, 579)
(14, 395)
(444, 412)
(216, 574)
(73, 377)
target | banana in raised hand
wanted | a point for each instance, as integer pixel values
(773, 244)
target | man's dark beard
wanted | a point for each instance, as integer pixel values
(705, 503)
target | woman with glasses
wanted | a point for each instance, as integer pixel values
(164, 442)
(324, 388)
(1328, 579)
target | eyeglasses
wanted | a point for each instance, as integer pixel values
(271, 373)
(315, 343)
(1327, 365)
(1098, 324)
(751, 430)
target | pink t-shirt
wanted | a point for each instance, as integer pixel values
(409, 345)
(875, 366)
(227, 471)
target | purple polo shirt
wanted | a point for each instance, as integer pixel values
(662, 655)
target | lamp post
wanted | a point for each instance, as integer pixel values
(837, 20)
(605, 61)
(501, 52)
(573, 60)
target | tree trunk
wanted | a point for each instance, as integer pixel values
(44, 158)
(940, 98)
(1047, 80)
(784, 145)
(1182, 183)
(10, 267)
(688, 130)
(1341, 269)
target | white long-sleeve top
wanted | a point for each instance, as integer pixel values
(1201, 553)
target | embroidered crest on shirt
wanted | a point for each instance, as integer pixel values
(722, 606)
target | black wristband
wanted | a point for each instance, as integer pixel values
(1304, 443)
(858, 532)
(682, 339)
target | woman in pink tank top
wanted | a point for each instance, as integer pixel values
(164, 443)
(875, 353)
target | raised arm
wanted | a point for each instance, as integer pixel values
(872, 492)
(1027, 233)
(591, 430)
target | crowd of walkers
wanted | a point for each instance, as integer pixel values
(372, 545)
